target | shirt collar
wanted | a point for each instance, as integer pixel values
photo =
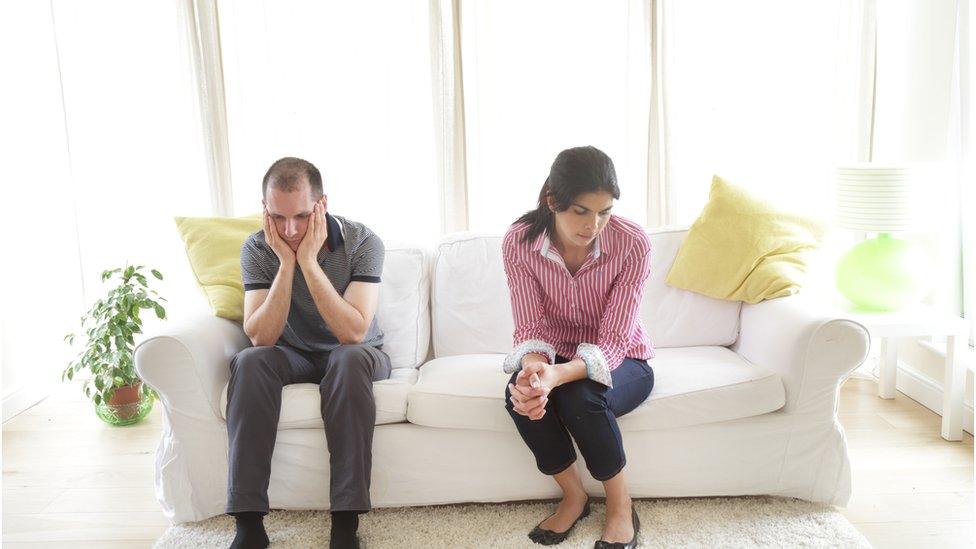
(543, 245)
(336, 237)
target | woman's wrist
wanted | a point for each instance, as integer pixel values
(534, 358)
(570, 371)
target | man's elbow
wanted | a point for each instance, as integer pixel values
(352, 337)
(257, 339)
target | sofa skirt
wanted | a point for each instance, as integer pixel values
(771, 454)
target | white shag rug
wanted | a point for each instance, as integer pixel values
(760, 521)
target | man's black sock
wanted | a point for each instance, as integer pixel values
(344, 527)
(250, 531)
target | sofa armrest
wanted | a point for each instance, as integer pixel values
(188, 364)
(811, 350)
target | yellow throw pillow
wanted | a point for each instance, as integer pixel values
(742, 248)
(213, 246)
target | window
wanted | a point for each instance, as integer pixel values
(540, 77)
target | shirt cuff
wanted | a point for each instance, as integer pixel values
(513, 362)
(596, 364)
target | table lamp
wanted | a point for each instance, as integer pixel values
(884, 273)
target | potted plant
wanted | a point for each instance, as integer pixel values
(119, 395)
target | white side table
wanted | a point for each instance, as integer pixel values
(918, 321)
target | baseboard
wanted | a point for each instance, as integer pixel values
(23, 398)
(927, 392)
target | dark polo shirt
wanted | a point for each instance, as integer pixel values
(351, 253)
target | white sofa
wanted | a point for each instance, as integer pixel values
(744, 402)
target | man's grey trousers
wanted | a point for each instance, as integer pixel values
(345, 377)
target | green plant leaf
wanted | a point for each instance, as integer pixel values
(98, 398)
(160, 312)
(157, 274)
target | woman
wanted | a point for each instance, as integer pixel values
(576, 276)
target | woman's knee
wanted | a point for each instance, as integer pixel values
(579, 397)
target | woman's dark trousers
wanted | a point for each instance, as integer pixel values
(587, 411)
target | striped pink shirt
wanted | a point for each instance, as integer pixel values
(599, 305)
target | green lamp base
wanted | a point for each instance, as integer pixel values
(883, 274)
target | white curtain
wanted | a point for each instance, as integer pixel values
(104, 150)
(345, 85)
(40, 275)
(965, 93)
(201, 35)
(446, 71)
(137, 157)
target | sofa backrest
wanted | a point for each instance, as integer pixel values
(471, 309)
(403, 312)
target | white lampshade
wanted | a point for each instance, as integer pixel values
(875, 198)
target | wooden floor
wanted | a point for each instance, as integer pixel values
(67, 478)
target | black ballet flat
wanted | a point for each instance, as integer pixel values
(632, 544)
(548, 537)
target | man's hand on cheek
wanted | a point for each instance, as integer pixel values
(315, 234)
(278, 245)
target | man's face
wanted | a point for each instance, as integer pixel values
(290, 212)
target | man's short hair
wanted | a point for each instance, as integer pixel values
(287, 174)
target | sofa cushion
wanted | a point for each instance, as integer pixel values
(678, 318)
(300, 402)
(693, 385)
(403, 312)
(471, 310)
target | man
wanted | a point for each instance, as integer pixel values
(311, 287)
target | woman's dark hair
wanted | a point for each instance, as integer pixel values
(574, 172)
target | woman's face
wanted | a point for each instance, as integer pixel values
(584, 220)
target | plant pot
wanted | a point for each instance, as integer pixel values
(127, 406)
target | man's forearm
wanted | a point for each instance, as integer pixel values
(264, 327)
(343, 320)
